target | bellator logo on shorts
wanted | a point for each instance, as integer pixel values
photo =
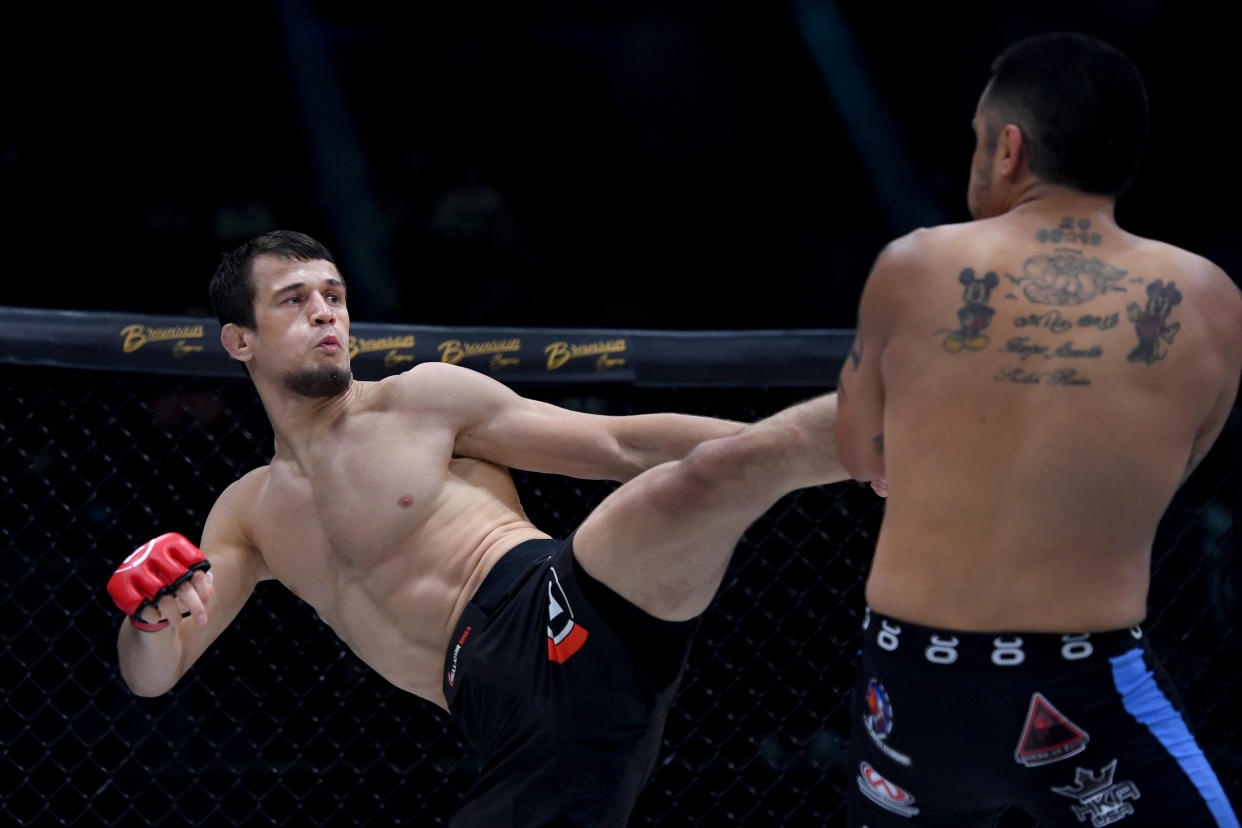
(565, 636)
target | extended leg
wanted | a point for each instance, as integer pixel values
(663, 540)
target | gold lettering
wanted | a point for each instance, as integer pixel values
(393, 358)
(454, 351)
(180, 349)
(499, 362)
(558, 354)
(604, 363)
(134, 337)
(358, 345)
(561, 352)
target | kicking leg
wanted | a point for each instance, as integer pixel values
(664, 540)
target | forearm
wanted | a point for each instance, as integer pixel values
(150, 661)
(647, 440)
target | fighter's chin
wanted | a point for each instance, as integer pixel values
(319, 381)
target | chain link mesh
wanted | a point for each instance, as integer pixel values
(278, 724)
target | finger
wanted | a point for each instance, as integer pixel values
(188, 599)
(202, 585)
(150, 614)
(167, 605)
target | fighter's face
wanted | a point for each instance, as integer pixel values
(301, 324)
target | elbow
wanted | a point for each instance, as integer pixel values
(627, 468)
(144, 693)
(863, 459)
(144, 675)
(863, 464)
(629, 457)
(144, 688)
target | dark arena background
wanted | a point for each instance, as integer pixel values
(117, 426)
(692, 192)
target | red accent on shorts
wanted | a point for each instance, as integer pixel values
(570, 644)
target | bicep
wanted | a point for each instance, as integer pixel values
(1229, 310)
(860, 416)
(537, 436)
(1206, 437)
(491, 422)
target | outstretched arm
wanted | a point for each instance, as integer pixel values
(153, 661)
(495, 424)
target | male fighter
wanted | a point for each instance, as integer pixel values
(1034, 386)
(389, 508)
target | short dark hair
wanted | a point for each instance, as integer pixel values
(231, 289)
(1081, 105)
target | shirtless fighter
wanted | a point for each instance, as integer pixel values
(1034, 386)
(389, 508)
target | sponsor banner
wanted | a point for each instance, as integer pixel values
(114, 342)
(186, 345)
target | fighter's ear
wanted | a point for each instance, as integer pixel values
(1011, 151)
(236, 340)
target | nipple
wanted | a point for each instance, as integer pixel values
(405, 501)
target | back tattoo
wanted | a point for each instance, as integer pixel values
(1064, 278)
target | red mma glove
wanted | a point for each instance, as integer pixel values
(151, 571)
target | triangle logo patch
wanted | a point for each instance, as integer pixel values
(1048, 735)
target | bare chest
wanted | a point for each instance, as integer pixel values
(359, 504)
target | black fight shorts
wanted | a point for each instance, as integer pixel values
(949, 728)
(564, 714)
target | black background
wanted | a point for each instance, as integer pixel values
(681, 164)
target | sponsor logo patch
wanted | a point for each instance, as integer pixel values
(565, 636)
(878, 720)
(461, 642)
(1099, 798)
(884, 793)
(1048, 735)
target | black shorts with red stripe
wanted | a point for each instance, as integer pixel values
(562, 687)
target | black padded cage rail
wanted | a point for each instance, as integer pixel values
(103, 445)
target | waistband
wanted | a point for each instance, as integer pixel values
(887, 637)
(506, 573)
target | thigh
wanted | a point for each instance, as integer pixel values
(567, 722)
(921, 751)
(1142, 764)
(663, 541)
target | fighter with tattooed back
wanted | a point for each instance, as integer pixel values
(1033, 385)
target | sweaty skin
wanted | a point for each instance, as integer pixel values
(377, 508)
(1043, 381)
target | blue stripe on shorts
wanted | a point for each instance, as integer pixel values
(1143, 699)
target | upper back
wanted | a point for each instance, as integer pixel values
(1058, 361)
